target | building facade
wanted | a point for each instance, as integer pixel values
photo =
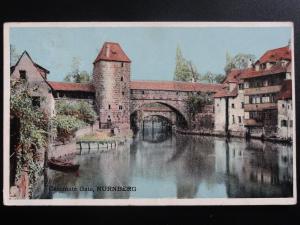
(253, 102)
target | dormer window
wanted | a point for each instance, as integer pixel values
(23, 74)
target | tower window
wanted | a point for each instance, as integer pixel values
(232, 106)
(23, 74)
(233, 121)
(123, 92)
(109, 107)
(121, 78)
(120, 107)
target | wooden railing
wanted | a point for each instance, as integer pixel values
(262, 90)
(260, 106)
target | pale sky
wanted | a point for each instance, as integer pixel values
(151, 50)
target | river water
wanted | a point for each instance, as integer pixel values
(159, 165)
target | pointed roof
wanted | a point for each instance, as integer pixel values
(112, 52)
(41, 69)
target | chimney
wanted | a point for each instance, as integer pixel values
(107, 51)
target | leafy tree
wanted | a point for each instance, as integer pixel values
(195, 103)
(184, 70)
(239, 61)
(210, 77)
(76, 75)
(33, 131)
(219, 78)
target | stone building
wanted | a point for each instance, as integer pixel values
(250, 102)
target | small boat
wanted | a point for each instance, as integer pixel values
(64, 166)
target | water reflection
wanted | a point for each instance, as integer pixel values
(163, 166)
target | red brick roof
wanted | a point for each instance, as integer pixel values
(112, 52)
(250, 73)
(286, 90)
(275, 55)
(174, 86)
(233, 76)
(65, 86)
(226, 93)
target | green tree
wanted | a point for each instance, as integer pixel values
(76, 75)
(239, 61)
(195, 103)
(184, 70)
(33, 132)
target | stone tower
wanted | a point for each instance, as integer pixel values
(111, 80)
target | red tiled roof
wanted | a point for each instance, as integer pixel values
(64, 86)
(250, 73)
(226, 93)
(275, 55)
(174, 86)
(233, 76)
(112, 52)
(286, 90)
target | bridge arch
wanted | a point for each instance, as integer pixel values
(176, 109)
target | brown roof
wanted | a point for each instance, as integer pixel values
(65, 86)
(112, 52)
(286, 90)
(233, 76)
(250, 73)
(174, 86)
(275, 55)
(226, 93)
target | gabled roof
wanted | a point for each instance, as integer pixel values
(41, 69)
(275, 55)
(233, 76)
(174, 86)
(286, 90)
(65, 86)
(251, 73)
(112, 52)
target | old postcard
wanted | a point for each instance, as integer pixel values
(149, 113)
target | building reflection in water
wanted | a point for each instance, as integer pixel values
(164, 166)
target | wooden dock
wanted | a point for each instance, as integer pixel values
(101, 145)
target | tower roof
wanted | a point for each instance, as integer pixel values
(112, 52)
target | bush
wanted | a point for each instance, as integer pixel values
(66, 126)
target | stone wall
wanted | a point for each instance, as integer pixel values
(111, 81)
(285, 112)
(220, 115)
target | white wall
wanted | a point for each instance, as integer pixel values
(285, 112)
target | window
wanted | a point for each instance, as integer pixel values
(232, 105)
(242, 105)
(288, 106)
(240, 119)
(143, 92)
(291, 123)
(218, 105)
(122, 64)
(282, 105)
(36, 101)
(120, 107)
(109, 107)
(121, 78)
(123, 92)
(23, 74)
(283, 123)
(241, 86)
(233, 121)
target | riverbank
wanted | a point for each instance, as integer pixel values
(237, 135)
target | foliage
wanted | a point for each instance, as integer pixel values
(33, 130)
(66, 126)
(196, 102)
(71, 116)
(76, 75)
(239, 61)
(80, 110)
(185, 70)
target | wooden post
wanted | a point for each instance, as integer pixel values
(80, 147)
(89, 147)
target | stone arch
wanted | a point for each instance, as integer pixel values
(176, 106)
